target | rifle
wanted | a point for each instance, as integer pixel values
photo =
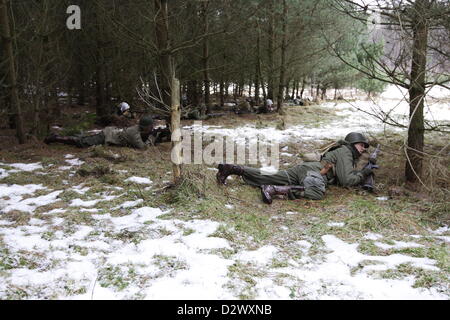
(160, 134)
(370, 180)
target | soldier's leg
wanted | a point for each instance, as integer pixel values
(303, 183)
(92, 140)
(314, 186)
(70, 140)
(256, 177)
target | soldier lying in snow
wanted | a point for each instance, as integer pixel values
(309, 179)
(137, 136)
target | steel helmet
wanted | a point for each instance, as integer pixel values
(145, 122)
(124, 106)
(355, 137)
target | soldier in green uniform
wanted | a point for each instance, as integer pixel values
(137, 136)
(309, 179)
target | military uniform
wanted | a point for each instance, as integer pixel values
(309, 179)
(307, 174)
(126, 137)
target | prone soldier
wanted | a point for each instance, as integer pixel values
(309, 179)
(137, 136)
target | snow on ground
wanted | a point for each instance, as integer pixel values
(174, 259)
(139, 180)
(140, 255)
(356, 119)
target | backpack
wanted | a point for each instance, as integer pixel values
(318, 154)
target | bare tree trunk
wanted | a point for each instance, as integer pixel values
(206, 54)
(169, 84)
(100, 74)
(323, 94)
(193, 92)
(258, 79)
(413, 168)
(12, 76)
(303, 88)
(270, 47)
(294, 85)
(176, 130)
(162, 39)
(222, 92)
(283, 61)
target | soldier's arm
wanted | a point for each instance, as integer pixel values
(343, 162)
(140, 144)
(136, 141)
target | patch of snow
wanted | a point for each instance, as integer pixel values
(139, 180)
(373, 236)
(336, 224)
(398, 245)
(440, 230)
(26, 166)
(83, 203)
(262, 255)
(128, 204)
(30, 204)
(75, 162)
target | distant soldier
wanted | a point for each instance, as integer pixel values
(269, 104)
(120, 117)
(137, 136)
(123, 109)
(243, 107)
(309, 179)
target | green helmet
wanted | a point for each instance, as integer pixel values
(355, 137)
(145, 122)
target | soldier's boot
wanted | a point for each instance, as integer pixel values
(228, 169)
(268, 191)
(74, 141)
(50, 139)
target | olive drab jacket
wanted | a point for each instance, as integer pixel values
(127, 137)
(344, 160)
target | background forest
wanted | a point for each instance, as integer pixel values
(218, 50)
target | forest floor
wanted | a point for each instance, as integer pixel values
(102, 223)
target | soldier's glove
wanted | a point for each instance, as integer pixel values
(366, 172)
(373, 160)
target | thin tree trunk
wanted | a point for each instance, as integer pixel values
(12, 76)
(100, 67)
(206, 54)
(170, 85)
(258, 80)
(413, 169)
(294, 89)
(176, 130)
(270, 47)
(162, 39)
(303, 88)
(283, 60)
(193, 93)
(222, 93)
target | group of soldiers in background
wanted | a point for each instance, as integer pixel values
(123, 127)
